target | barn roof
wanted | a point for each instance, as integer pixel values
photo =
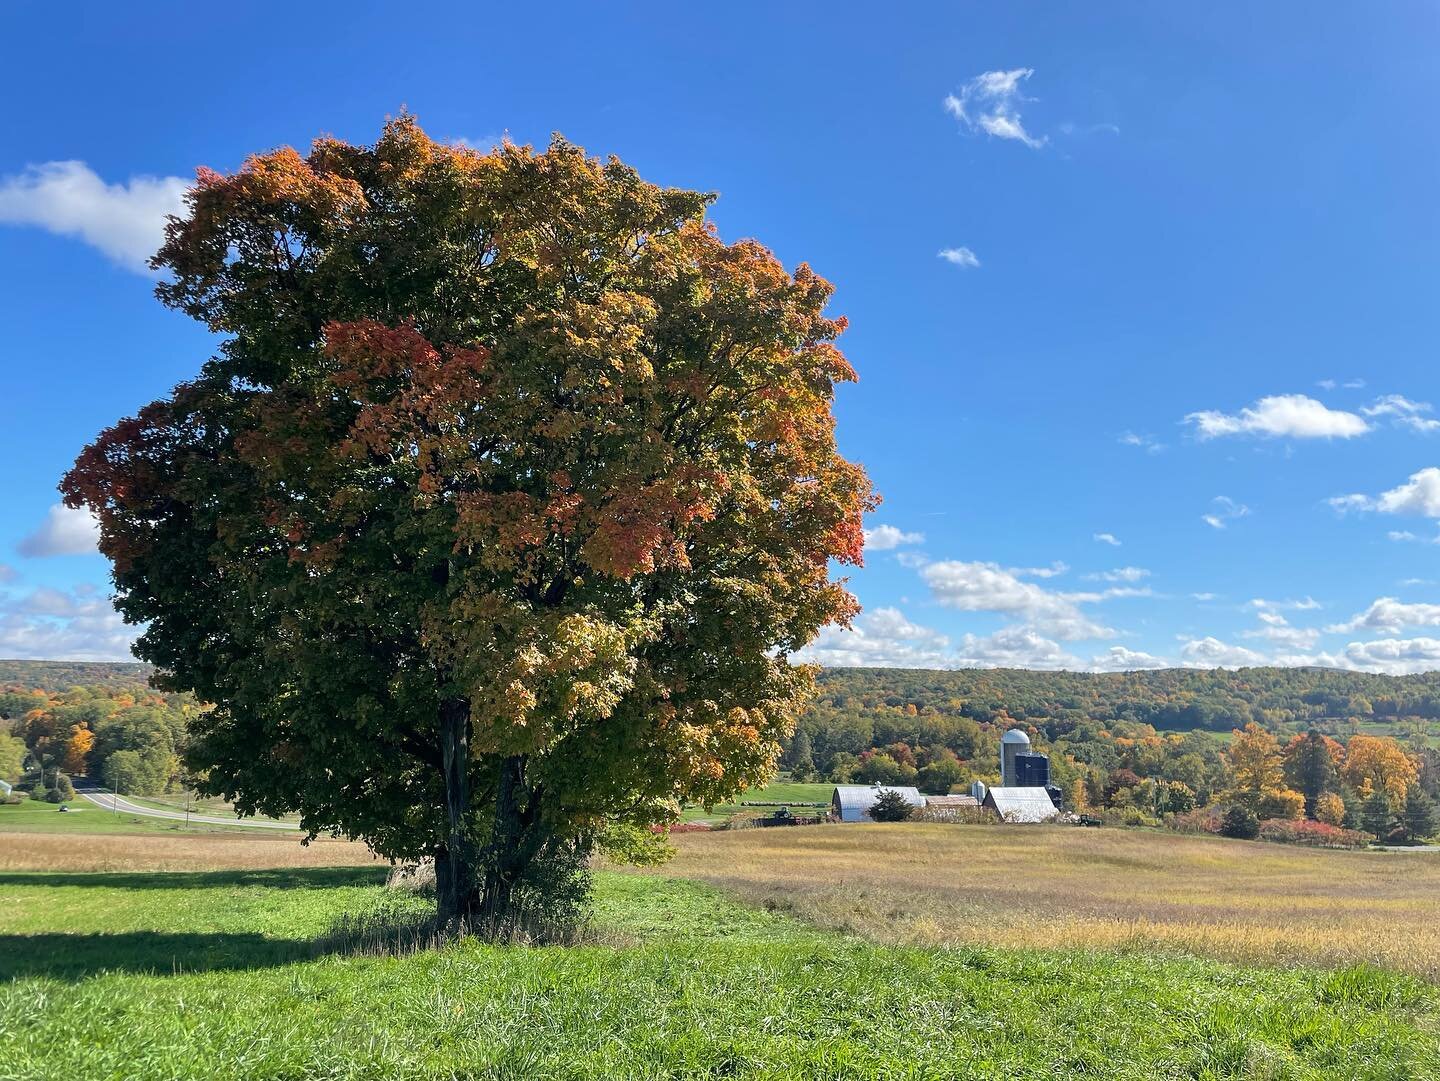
(853, 801)
(1021, 804)
(951, 801)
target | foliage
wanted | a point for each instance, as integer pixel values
(1330, 809)
(500, 509)
(891, 806)
(1419, 817)
(12, 756)
(1240, 822)
(1374, 764)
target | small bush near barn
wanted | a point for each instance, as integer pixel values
(891, 806)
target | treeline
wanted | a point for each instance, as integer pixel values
(124, 735)
(1274, 745)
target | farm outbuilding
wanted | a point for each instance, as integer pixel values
(852, 802)
(1021, 804)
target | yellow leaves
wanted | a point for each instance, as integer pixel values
(1378, 762)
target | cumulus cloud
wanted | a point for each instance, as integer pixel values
(991, 103)
(1292, 416)
(125, 221)
(988, 587)
(1120, 659)
(961, 257)
(1013, 647)
(1395, 656)
(1276, 628)
(882, 538)
(64, 532)
(880, 638)
(48, 624)
(1223, 510)
(1390, 614)
(1106, 538)
(1420, 495)
(1210, 652)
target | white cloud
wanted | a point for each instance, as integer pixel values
(1405, 412)
(1395, 656)
(1204, 596)
(1390, 614)
(988, 587)
(880, 638)
(1223, 511)
(1120, 659)
(47, 624)
(1013, 647)
(1276, 628)
(1148, 443)
(1292, 416)
(1304, 604)
(991, 103)
(125, 221)
(1107, 538)
(64, 532)
(1209, 652)
(1120, 574)
(1055, 569)
(962, 257)
(882, 538)
(1419, 495)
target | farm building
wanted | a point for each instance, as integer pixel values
(951, 801)
(1020, 804)
(852, 802)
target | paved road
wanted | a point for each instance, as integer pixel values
(111, 802)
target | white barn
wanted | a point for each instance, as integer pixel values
(1021, 804)
(852, 802)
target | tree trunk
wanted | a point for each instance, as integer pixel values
(509, 852)
(456, 887)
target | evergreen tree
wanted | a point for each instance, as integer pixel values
(1418, 818)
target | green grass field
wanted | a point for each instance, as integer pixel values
(37, 816)
(227, 975)
(762, 800)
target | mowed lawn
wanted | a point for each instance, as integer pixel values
(1062, 886)
(233, 974)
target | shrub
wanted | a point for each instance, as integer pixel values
(891, 806)
(956, 816)
(1200, 820)
(64, 787)
(1128, 816)
(54, 795)
(1330, 809)
(1240, 822)
(1316, 834)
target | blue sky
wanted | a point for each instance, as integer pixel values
(1142, 297)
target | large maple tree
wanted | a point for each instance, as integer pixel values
(496, 516)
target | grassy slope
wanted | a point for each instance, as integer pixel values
(775, 794)
(37, 816)
(691, 985)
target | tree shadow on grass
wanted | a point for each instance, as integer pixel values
(278, 878)
(78, 956)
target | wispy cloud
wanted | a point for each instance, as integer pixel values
(1224, 510)
(991, 103)
(961, 257)
(1405, 413)
(1106, 538)
(125, 221)
(882, 538)
(1148, 443)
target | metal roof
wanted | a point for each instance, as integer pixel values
(1014, 735)
(951, 801)
(852, 802)
(1021, 804)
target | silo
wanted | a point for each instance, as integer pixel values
(1012, 743)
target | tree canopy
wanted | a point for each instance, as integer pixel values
(496, 516)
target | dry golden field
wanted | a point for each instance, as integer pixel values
(154, 851)
(1064, 886)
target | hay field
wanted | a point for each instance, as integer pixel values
(1242, 901)
(237, 850)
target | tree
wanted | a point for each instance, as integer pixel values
(1379, 764)
(77, 749)
(891, 806)
(1311, 767)
(1330, 809)
(1240, 822)
(499, 512)
(12, 757)
(1258, 769)
(1418, 819)
(799, 757)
